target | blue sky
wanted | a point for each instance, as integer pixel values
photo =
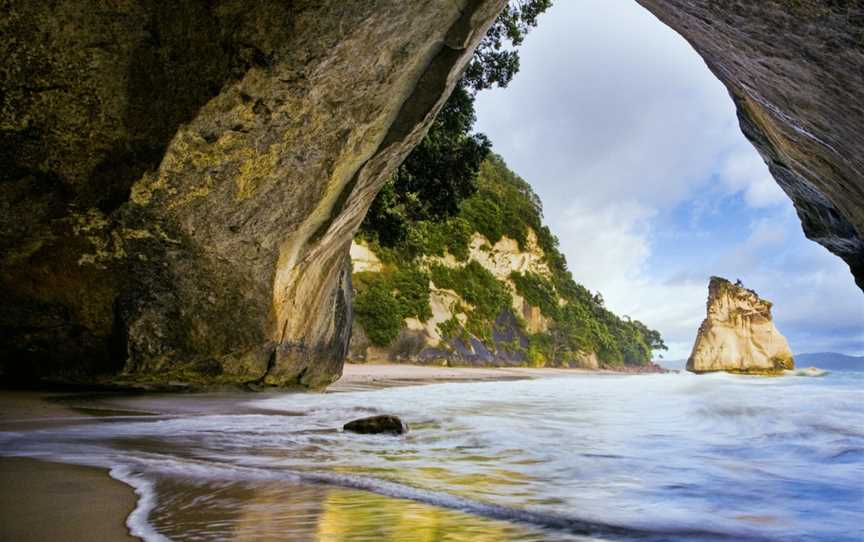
(646, 179)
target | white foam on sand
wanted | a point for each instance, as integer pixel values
(137, 522)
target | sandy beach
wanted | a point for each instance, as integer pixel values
(41, 500)
(367, 376)
(50, 501)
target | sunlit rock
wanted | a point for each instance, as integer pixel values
(738, 335)
(180, 182)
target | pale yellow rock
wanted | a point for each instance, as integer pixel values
(363, 259)
(738, 335)
(500, 259)
(506, 256)
(443, 303)
(535, 322)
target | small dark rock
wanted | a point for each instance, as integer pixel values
(375, 425)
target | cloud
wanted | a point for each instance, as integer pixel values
(608, 248)
(635, 149)
(607, 244)
(744, 171)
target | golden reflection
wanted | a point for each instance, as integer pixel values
(306, 513)
(356, 515)
(492, 481)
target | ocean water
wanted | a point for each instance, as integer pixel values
(590, 457)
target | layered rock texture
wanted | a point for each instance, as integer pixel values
(794, 69)
(181, 181)
(486, 287)
(738, 335)
(442, 337)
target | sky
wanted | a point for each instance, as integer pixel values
(635, 150)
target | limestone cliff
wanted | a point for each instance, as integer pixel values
(487, 286)
(794, 70)
(181, 181)
(432, 340)
(738, 334)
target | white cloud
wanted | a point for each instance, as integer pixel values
(608, 249)
(605, 245)
(744, 171)
(617, 122)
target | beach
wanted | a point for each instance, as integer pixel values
(518, 455)
(42, 500)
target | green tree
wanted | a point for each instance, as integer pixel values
(496, 59)
(441, 171)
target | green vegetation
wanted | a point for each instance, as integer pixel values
(487, 296)
(504, 205)
(452, 186)
(537, 291)
(440, 173)
(385, 299)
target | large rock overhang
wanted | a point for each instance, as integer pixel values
(795, 71)
(179, 184)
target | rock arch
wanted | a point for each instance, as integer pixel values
(179, 185)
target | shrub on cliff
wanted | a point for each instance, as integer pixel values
(505, 205)
(478, 287)
(385, 299)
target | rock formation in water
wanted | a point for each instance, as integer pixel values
(795, 70)
(181, 181)
(738, 334)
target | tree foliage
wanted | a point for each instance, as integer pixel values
(450, 186)
(385, 299)
(440, 173)
(496, 59)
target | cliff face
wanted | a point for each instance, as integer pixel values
(794, 69)
(487, 286)
(738, 335)
(434, 340)
(180, 183)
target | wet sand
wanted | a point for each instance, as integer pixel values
(51, 501)
(42, 501)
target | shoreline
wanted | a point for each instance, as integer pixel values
(47, 500)
(370, 376)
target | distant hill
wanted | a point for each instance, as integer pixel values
(831, 361)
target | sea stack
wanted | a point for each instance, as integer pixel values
(738, 334)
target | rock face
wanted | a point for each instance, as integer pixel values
(738, 335)
(794, 69)
(181, 182)
(425, 342)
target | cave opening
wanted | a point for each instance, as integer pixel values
(651, 180)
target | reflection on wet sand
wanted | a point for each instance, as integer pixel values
(192, 510)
